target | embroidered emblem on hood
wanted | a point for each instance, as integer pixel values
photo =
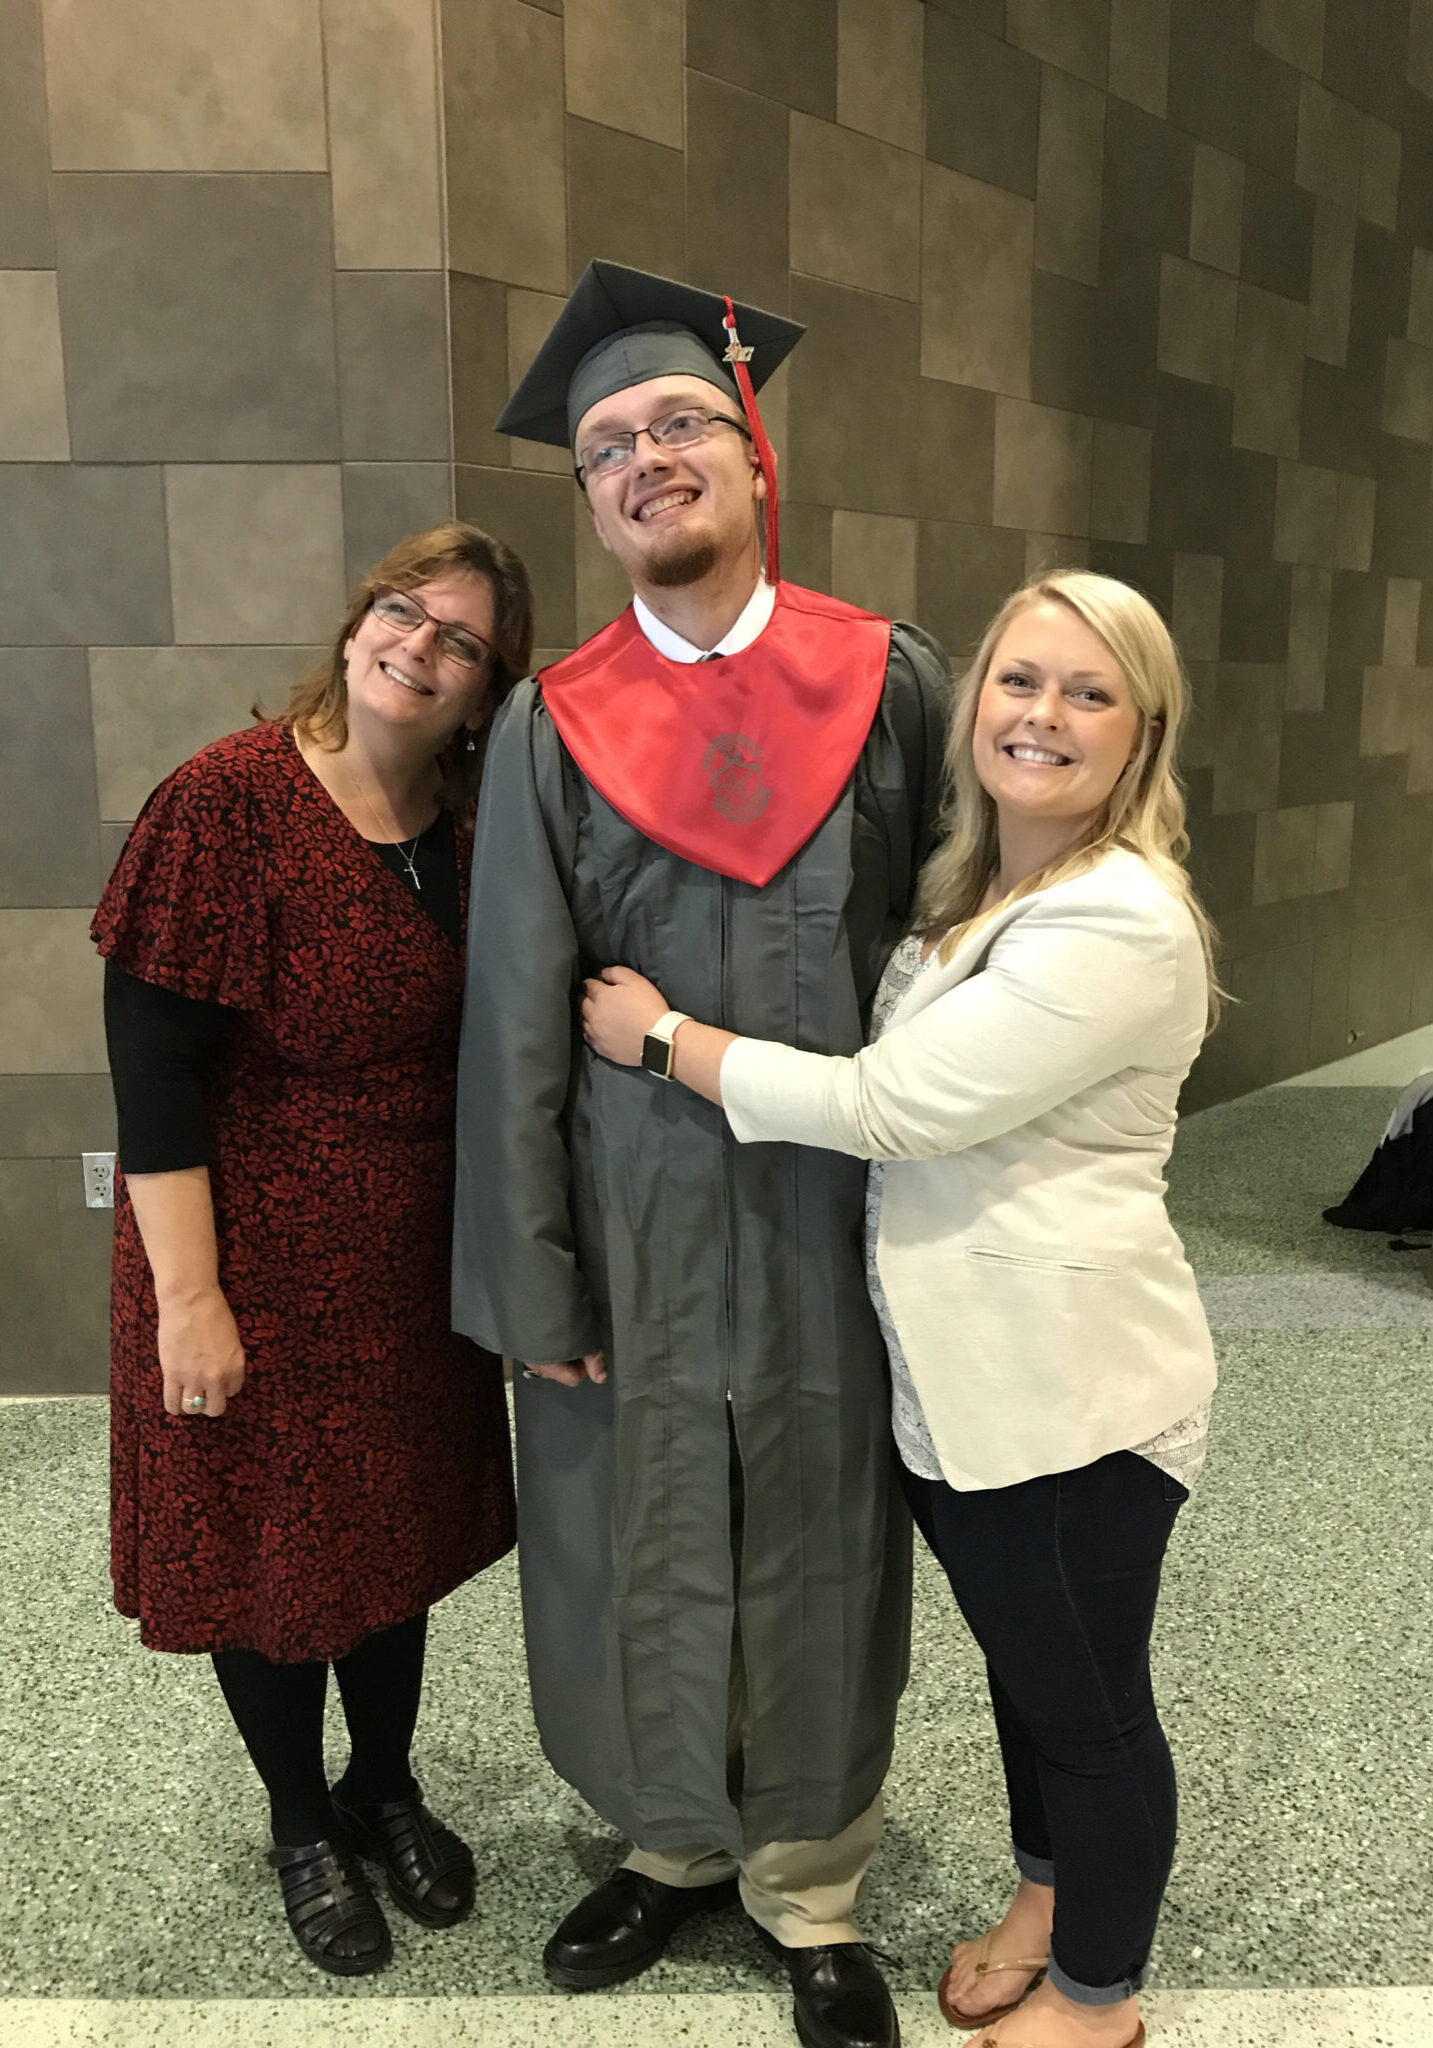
(733, 763)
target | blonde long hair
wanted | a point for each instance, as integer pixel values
(1145, 811)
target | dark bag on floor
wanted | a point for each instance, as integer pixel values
(1394, 1192)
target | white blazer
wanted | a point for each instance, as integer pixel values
(1025, 1094)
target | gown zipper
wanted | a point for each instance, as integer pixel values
(728, 1193)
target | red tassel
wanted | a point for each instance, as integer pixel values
(738, 357)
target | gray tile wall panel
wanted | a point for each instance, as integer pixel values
(55, 1116)
(49, 829)
(34, 1346)
(83, 555)
(197, 316)
(392, 365)
(784, 48)
(86, 1238)
(383, 502)
(26, 237)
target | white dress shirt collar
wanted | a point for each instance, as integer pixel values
(750, 625)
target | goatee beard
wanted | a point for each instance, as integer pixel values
(687, 563)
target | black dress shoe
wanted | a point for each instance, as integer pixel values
(622, 1928)
(841, 1997)
(429, 1868)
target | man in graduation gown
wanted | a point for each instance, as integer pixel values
(730, 789)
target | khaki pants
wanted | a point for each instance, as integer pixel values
(802, 1893)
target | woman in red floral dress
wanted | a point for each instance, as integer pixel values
(305, 1456)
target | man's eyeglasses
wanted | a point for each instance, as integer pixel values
(681, 429)
(402, 613)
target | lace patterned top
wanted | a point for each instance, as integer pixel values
(1178, 1450)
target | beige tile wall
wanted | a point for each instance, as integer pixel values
(1141, 283)
(224, 389)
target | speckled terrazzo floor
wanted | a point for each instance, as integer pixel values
(1295, 1661)
(1177, 2019)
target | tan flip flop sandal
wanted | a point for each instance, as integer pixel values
(1136, 2040)
(988, 1966)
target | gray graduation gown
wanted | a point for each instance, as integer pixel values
(598, 1205)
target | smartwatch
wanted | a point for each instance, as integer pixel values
(658, 1052)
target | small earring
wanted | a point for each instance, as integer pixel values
(472, 741)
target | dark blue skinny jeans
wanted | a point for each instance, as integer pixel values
(1057, 1579)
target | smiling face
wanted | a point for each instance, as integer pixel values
(402, 679)
(673, 514)
(1056, 724)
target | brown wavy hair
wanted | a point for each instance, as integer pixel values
(318, 702)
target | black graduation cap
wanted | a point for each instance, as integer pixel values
(621, 327)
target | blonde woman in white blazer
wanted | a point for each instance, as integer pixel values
(1051, 1366)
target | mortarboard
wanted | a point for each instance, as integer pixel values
(620, 327)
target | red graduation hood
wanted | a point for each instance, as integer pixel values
(732, 764)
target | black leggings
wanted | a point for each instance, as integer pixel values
(1058, 1578)
(278, 1709)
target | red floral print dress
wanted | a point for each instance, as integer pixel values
(363, 1471)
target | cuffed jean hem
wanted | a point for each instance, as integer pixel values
(1093, 1994)
(1039, 1869)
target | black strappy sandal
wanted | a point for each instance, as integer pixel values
(430, 1871)
(332, 1913)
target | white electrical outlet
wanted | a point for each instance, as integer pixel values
(99, 1179)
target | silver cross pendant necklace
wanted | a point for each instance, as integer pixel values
(405, 853)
